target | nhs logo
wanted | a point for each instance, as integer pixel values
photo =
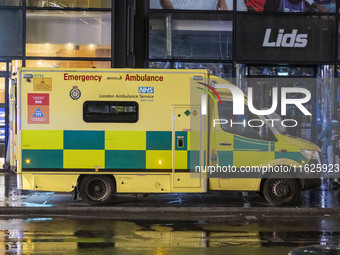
(146, 90)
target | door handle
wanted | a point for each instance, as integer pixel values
(225, 144)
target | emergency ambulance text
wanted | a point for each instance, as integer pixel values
(82, 78)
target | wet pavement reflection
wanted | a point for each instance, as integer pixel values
(324, 197)
(231, 234)
(89, 236)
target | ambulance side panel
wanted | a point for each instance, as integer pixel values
(58, 141)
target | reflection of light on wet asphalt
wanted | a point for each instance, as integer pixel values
(178, 200)
(323, 197)
(324, 235)
(36, 205)
(37, 219)
(46, 235)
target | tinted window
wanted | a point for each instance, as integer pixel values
(190, 36)
(110, 111)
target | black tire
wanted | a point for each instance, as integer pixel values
(280, 191)
(97, 189)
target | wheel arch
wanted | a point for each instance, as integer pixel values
(263, 180)
(266, 176)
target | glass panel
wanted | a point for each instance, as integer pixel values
(10, 2)
(110, 111)
(338, 43)
(3, 66)
(68, 63)
(70, 3)
(322, 6)
(223, 70)
(290, 71)
(311, 6)
(326, 95)
(68, 34)
(11, 32)
(222, 5)
(2, 129)
(190, 36)
(2, 90)
(15, 65)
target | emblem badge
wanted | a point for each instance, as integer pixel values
(75, 93)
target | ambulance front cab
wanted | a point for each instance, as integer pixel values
(246, 147)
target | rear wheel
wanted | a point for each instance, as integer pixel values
(280, 191)
(97, 189)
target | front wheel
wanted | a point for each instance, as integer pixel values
(97, 189)
(280, 191)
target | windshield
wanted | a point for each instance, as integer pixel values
(277, 123)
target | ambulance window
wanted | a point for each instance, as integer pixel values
(110, 111)
(239, 124)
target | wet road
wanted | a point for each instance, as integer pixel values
(88, 236)
(234, 233)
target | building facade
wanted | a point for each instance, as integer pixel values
(235, 39)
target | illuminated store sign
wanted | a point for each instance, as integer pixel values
(288, 40)
(285, 38)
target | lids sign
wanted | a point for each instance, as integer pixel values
(38, 108)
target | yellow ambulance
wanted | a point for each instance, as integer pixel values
(108, 131)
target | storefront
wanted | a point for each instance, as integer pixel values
(53, 34)
(233, 38)
(285, 41)
(298, 52)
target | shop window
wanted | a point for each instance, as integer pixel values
(310, 6)
(288, 71)
(10, 2)
(2, 90)
(110, 111)
(70, 3)
(68, 34)
(223, 70)
(68, 63)
(11, 32)
(3, 66)
(220, 5)
(2, 129)
(339, 44)
(190, 36)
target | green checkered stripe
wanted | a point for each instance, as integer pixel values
(79, 145)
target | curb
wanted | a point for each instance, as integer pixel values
(162, 213)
